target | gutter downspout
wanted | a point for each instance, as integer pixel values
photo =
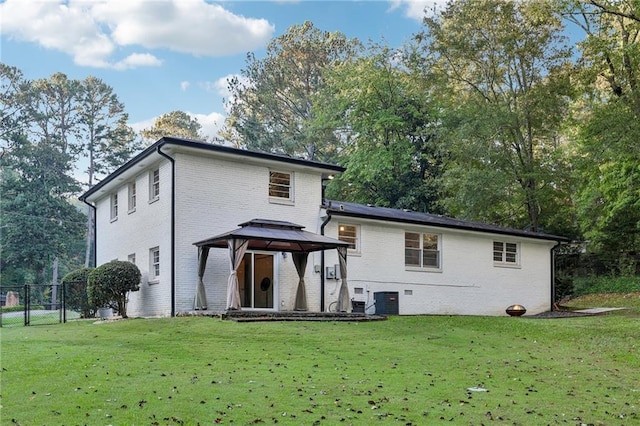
(173, 229)
(95, 234)
(553, 274)
(326, 221)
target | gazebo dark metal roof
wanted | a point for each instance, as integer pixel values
(274, 235)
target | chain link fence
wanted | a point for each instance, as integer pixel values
(34, 304)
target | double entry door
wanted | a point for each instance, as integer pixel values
(255, 281)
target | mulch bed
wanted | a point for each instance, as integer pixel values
(559, 314)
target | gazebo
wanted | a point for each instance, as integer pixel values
(270, 235)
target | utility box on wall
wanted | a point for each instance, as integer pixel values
(386, 302)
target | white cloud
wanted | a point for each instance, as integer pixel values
(70, 29)
(187, 26)
(136, 60)
(184, 85)
(221, 85)
(92, 31)
(415, 9)
(144, 124)
(211, 123)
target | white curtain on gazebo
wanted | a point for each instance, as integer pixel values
(343, 296)
(200, 301)
(300, 260)
(237, 249)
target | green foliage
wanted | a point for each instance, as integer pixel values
(110, 284)
(385, 118)
(606, 284)
(38, 223)
(76, 297)
(20, 308)
(47, 124)
(177, 124)
(607, 130)
(103, 134)
(499, 69)
(271, 106)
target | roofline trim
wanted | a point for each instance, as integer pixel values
(189, 143)
(504, 231)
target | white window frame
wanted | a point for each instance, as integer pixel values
(132, 258)
(131, 192)
(507, 255)
(113, 200)
(154, 265)
(280, 192)
(354, 247)
(154, 185)
(421, 252)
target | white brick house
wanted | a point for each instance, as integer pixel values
(178, 192)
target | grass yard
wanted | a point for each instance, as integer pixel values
(406, 370)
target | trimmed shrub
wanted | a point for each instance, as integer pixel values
(109, 284)
(76, 298)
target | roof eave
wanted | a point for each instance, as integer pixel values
(515, 233)
(188, 143)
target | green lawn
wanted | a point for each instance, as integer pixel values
(37, 317)
(406, 370)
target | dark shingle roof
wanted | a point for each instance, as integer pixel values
(341, 208)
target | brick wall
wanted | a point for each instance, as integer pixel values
(468, 282)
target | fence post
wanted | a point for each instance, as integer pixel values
(26, 304)
(64, 302)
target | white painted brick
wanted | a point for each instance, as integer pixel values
(214, 194)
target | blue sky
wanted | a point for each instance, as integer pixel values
(161, 56)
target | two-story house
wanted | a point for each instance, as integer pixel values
(175, 210)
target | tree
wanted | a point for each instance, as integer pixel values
(104, 136)
(76, 298)
(108, 285)
(270, 105)
(382, 113)
(607, 128)
(499, 68)
(178, 124)
(51, 105)
(38, 222)
(11, 108)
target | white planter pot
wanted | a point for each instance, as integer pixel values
(105, 313)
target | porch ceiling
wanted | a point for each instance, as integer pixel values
(274, 235)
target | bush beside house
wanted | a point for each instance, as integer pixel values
(76, 299)
(108, 285)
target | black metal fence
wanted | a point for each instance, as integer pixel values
(33, 305)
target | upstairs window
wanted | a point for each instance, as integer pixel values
(132, 196)
(506, 254)
(154, 185)
(349, 234)
(114, 206)
(280, 186)
(132, 258)
(421, 250)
